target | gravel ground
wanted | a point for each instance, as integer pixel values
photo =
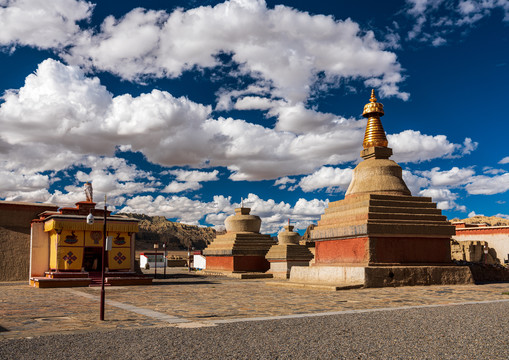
(479, 331)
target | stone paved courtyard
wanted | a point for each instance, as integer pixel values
(192, 300)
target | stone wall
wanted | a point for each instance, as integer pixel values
(15, 221)
(472, 251)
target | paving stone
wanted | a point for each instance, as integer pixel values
(189, 298)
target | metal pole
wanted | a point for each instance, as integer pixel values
(155, 262)
(165, 261)
(103, 261)
(188, 259)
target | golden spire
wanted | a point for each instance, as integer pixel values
(373, 97)
(375, 134)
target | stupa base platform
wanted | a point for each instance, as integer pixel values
(237, 274)
(309, 286)
(81, 279)
(46, 282)
(382, 276)
(281, 269)
(66, 274)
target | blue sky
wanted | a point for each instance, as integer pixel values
(182, 108)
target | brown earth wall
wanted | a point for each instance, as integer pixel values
(15, 221)
(19, 215)
(14, 255)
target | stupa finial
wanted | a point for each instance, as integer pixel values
(373, 97)
(375, 134)
(288, 227)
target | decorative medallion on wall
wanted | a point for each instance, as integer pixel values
(120, 258)
(71, 239)
(70, 258)
(96, 236)
(119, 240)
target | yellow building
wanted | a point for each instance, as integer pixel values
(67, 251)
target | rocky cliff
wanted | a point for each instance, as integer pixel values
(489, 220)
(177, 236)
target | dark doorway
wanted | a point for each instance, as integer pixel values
(92, 258)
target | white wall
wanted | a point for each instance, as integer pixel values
(199, 262)
(150, 260)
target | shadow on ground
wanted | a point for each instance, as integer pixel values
(487, 273)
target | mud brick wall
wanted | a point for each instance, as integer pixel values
(15, 221)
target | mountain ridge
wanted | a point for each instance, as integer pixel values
(177, 236)
(480, 219)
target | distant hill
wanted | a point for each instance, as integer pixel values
(178, 236)
(489, 220)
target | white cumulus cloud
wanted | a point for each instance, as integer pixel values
(42, 24)
(282, 48)
(283, 182)
(194, 175)
(62, 112)
(412, 146)
(332, 179)
(414, 182)
(504, 160)
(453, 177)
(273, 214)
(189, 180)
(16, 181)
(485, 185)
(176, 187)
(444, 198)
